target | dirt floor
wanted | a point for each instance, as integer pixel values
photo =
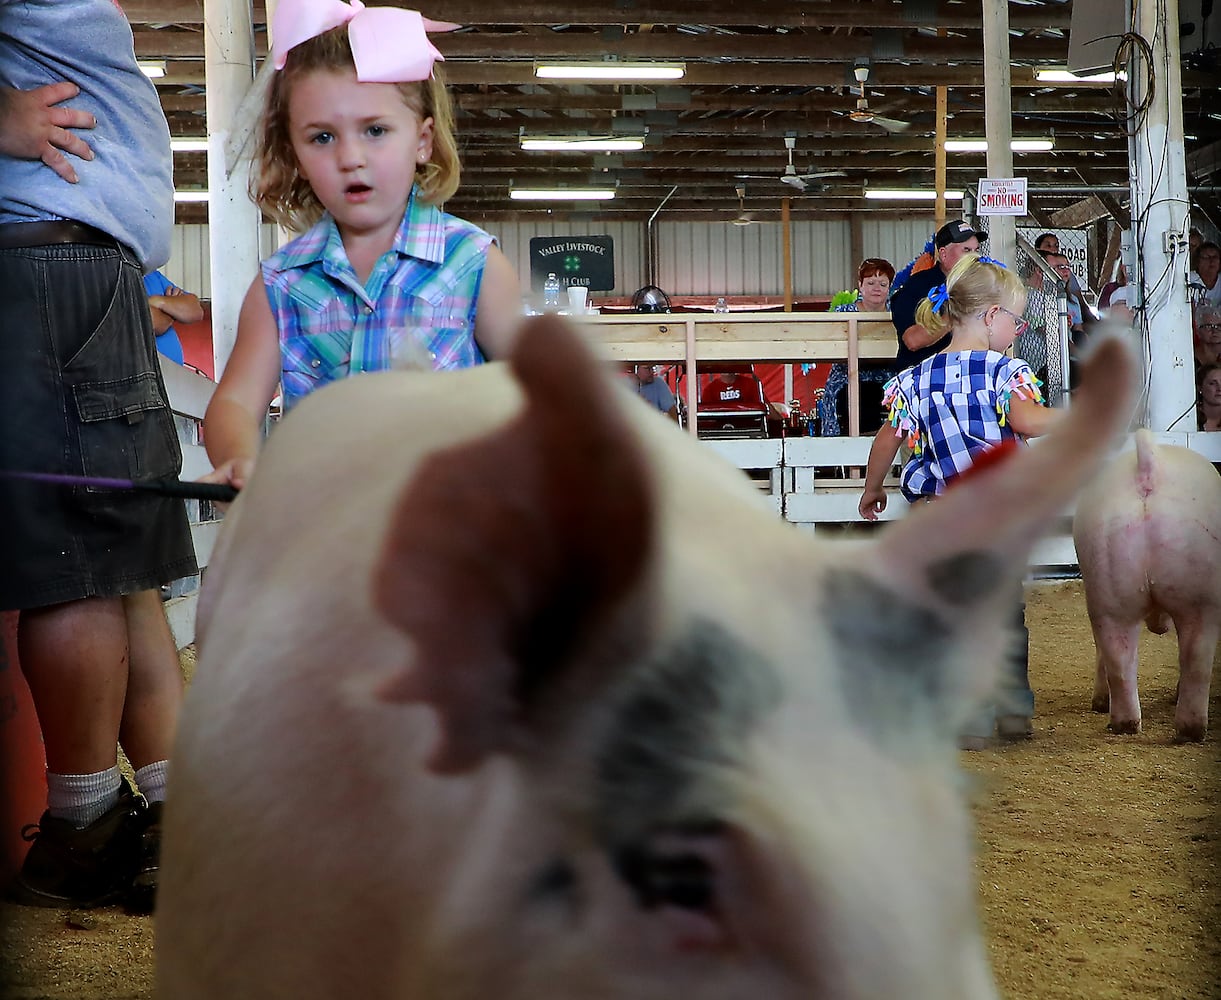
(1099, 868)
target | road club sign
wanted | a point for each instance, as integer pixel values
(1001, 196)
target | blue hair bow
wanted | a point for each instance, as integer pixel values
(990, 260)
(938, 297)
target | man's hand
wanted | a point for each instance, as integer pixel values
(33, 128)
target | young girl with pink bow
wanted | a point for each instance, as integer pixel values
(356, 150)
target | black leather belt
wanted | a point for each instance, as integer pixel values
(42, 234)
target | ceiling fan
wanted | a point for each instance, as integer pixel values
(861, 112)
(743, 218)
(790, 175)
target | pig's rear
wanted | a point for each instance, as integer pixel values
(1148, 539)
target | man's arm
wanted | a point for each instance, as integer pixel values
(32, 127)
(916, 337)
(175, 306)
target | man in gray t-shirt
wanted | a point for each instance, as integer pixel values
(653, 389)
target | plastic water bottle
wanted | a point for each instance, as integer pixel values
(551, 293)
(721, 305)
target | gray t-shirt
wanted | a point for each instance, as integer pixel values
(127, 189)
(657, 393)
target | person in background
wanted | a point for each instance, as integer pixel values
(954, 407)
(873, 278)
(654, 391)
(169, 304)
(1206, 267)
(1050, 243)
(79, 375)
(1119, 281)
(1208, 409)
(1207, 344)
(1076, 309)
(382, 274)
(951, 242)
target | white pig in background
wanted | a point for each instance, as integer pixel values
(508, 690)
(1148, 537)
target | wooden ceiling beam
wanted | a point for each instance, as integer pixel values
(777, 13)
(1118, 212)
(690, 100)
(713, 47)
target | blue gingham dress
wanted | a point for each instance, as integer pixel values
(951, 408)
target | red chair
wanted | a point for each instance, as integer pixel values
(731, 403)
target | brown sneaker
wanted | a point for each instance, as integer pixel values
(143, 893)
(85, 868)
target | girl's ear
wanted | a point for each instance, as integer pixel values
(424, 150)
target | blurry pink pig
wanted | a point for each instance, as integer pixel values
(1148, 537)
(531, 698)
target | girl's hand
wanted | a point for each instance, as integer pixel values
(873, 502)
(235, 472)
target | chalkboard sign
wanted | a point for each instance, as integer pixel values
(575, 260)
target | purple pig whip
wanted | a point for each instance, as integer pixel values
(167, 487)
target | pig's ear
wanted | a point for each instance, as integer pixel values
(944, 578)
(507, 556)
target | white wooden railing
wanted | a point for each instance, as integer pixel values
(813, 482)
(816, 483)
(189, 394)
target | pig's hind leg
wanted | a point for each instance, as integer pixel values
(1115, 677)
(1197, 645)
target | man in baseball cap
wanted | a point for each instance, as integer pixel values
(957, 232)
(952, 241)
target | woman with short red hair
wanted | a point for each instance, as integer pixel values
(873, 280)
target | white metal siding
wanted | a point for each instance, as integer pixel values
(694, 258)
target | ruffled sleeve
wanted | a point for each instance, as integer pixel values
(1014, 378)
(899, 414)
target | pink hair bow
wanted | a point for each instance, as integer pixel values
(389, 44)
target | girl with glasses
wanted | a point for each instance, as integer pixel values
(954, 407)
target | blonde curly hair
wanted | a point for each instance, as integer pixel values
(972, 286)
(276, 184)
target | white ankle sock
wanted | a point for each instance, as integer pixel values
(82, 798)
(150, 779)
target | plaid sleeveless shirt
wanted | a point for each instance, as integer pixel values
(421, 294)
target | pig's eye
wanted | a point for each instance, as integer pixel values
(685, 880)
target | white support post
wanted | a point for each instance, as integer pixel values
(998, 122)
(1160, 212)
(233, 220)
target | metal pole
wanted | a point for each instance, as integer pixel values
(998, 121)
(1160, 214)
(233, 220)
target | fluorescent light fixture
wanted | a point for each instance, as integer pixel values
(1017, 145)
(1064, 76)
(190, 195)
(152, 69)
(189, 145)
(610, 71)
(909, 194)
(582, 143)
(561, 194)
